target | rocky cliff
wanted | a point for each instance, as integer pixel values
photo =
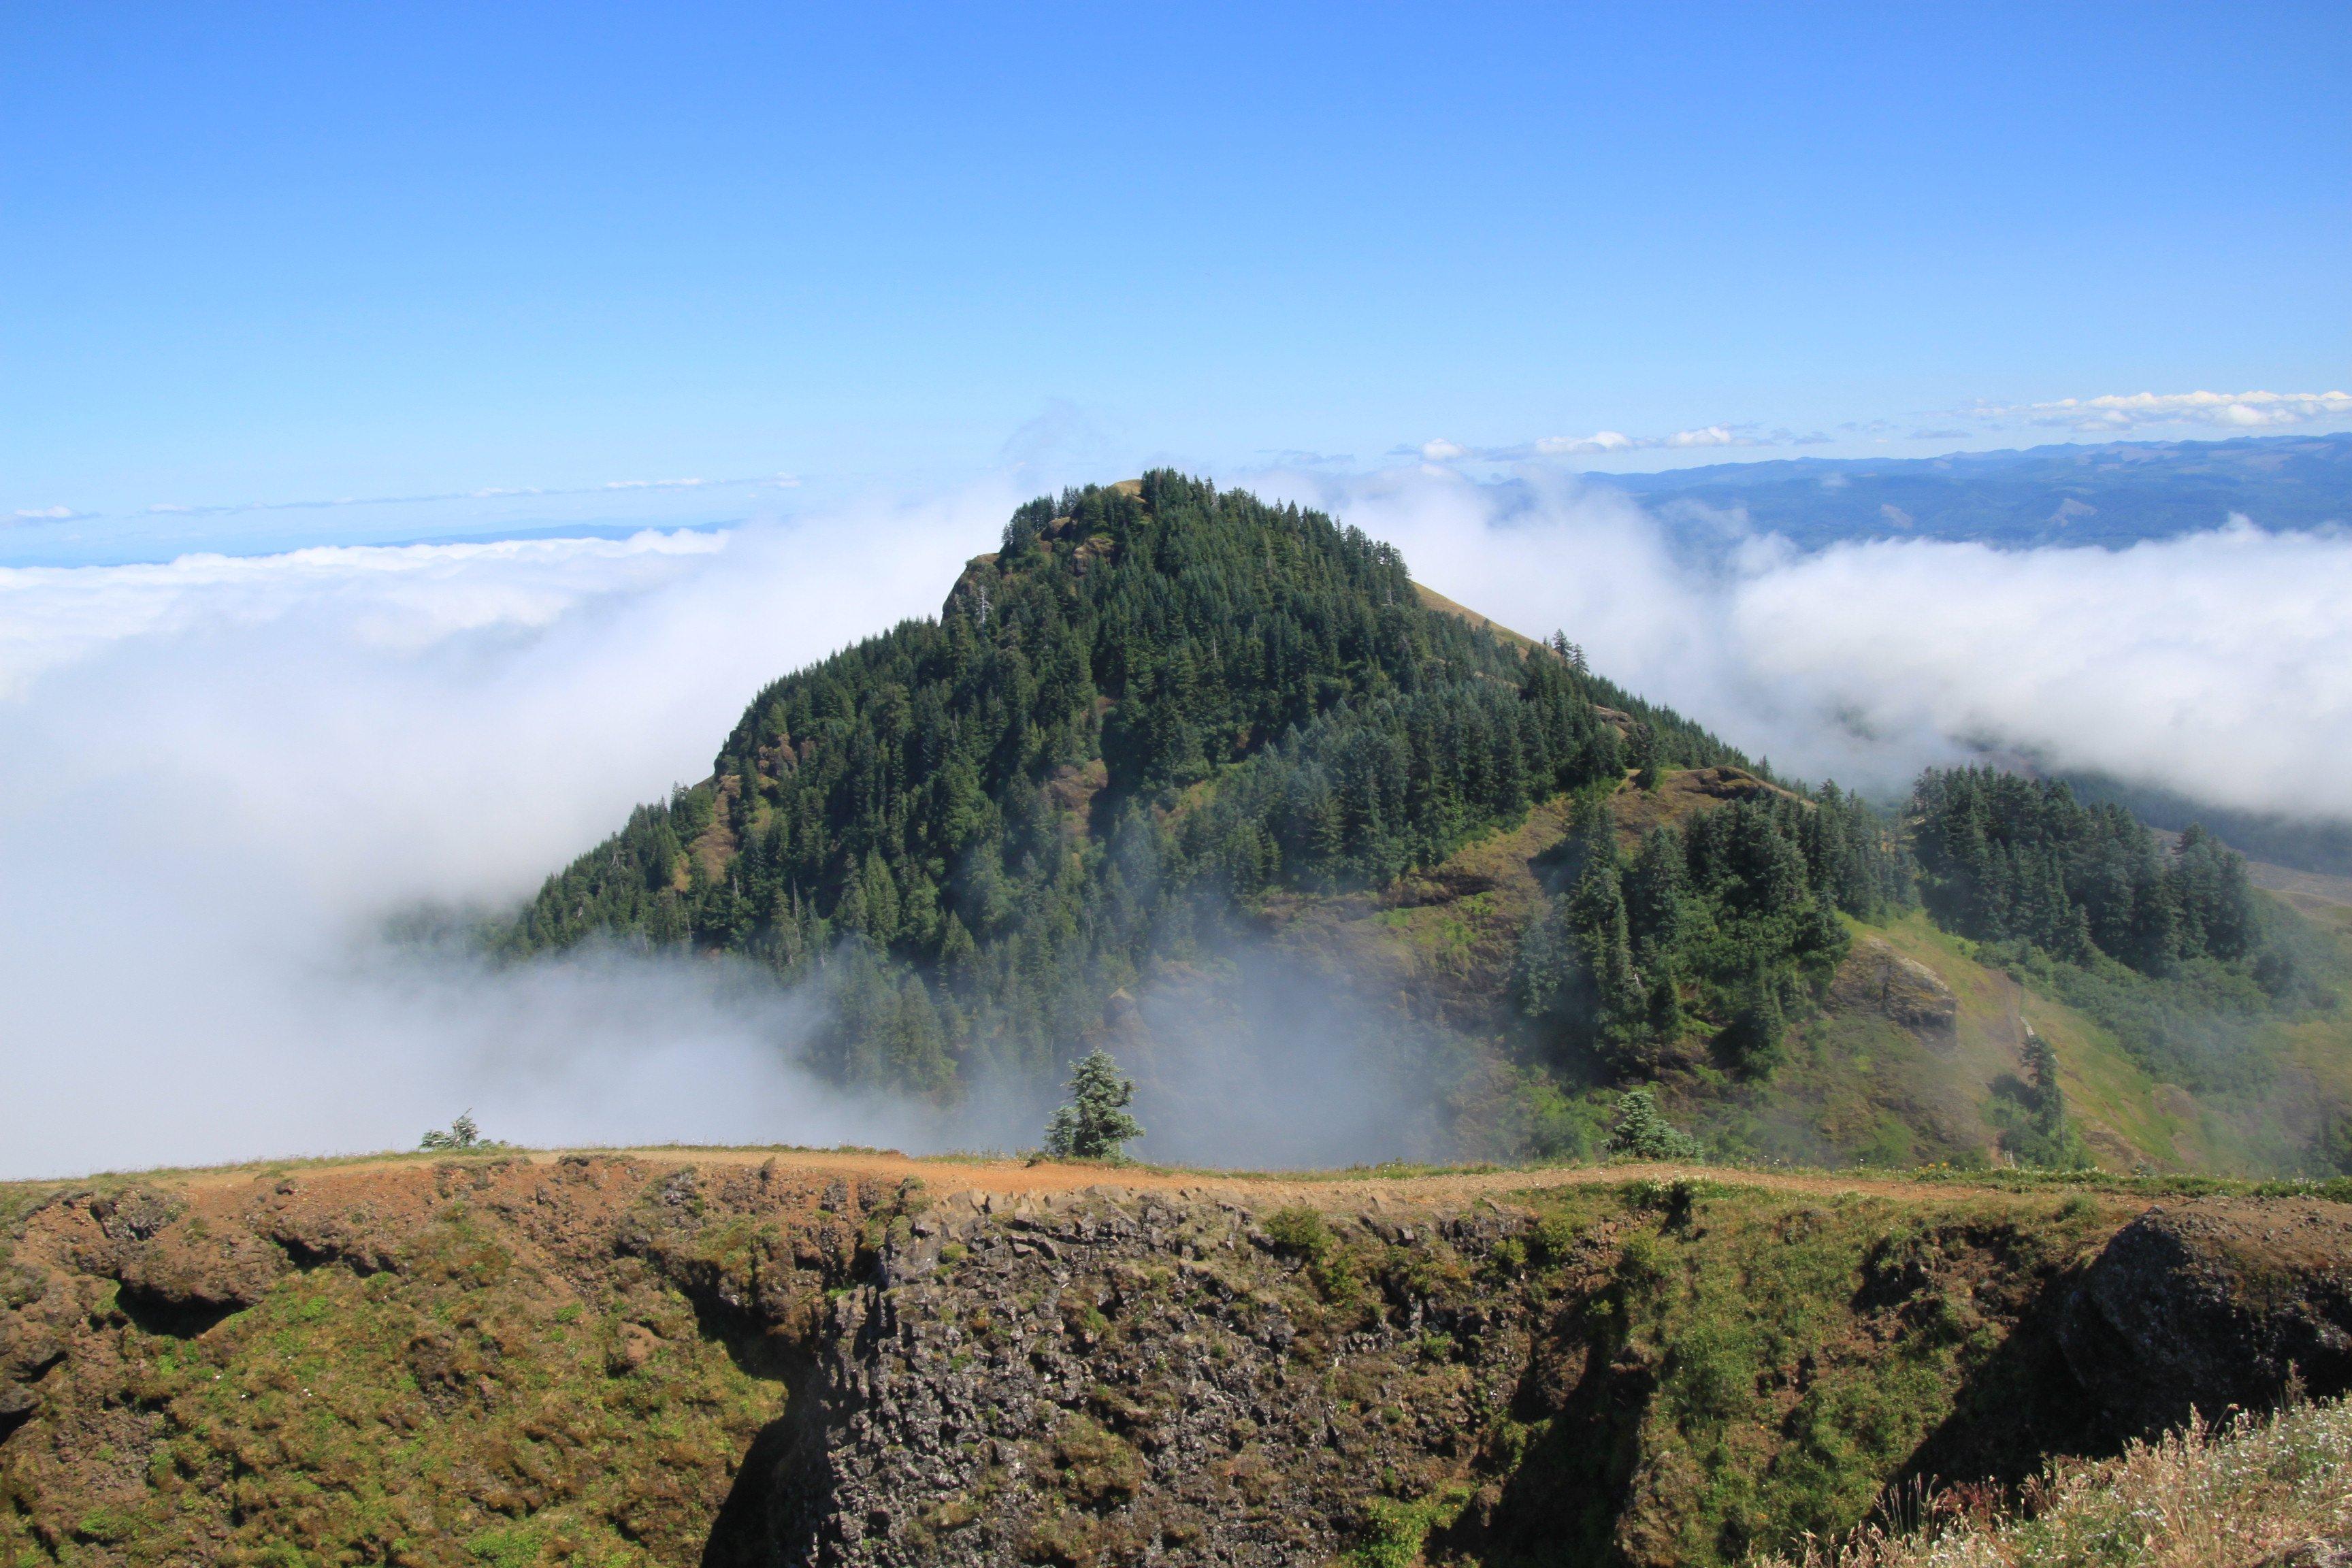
(859, 1359)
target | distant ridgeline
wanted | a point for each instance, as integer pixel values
(2108, 493)
(1160, 706)
(1155, 701)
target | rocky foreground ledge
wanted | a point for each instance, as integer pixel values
(839, 1359)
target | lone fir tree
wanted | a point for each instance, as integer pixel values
(1094, 1123)
(1642, 1132)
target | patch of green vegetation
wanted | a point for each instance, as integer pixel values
(1797, 1354)
(447, 1415)
(1395, 1530)
(514, 1546)
(1709, 938)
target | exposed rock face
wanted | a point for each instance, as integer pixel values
(2210, 1304)
(1119, 1378)
(1874, 978)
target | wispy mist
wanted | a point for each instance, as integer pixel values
(1259, 1057)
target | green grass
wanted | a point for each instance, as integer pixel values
(2195, 1500)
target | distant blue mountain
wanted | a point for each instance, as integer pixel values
(2111, 494)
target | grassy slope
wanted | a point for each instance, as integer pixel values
(1857, 1087)
(2130, 1118)
(2254, 1493)
(2122, 1112)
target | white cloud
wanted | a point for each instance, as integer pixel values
(399, 597)
(2242, 410)
(218, 775)
(2212, 663)
(1599, 441)
(47, 514)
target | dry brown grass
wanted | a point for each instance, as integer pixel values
(2248, 1494)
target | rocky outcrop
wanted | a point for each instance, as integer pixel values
(2211, 1306)
(828, 1362)
(1874, 978)
(1117, 1377)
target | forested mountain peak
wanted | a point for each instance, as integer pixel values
(1153, 699)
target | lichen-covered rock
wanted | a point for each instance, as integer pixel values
(1874, 978)
(2212, 1304)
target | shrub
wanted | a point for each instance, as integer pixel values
(1298, 1232)
(463, 1133)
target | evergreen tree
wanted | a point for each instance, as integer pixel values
(2032, 1115)
(463, 1133)
(1094, 1124)
(1653, 894)
(2005, 858)
(1642, 1132)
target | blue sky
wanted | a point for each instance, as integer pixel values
(312, 254)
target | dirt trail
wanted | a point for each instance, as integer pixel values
(1014, 1178)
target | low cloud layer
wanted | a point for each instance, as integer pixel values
(2234, 412)
(1603, 443)
(752, 484)
(2211, 663)
(218, 776)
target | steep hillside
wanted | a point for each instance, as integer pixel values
(1153, 701)
(1339, 868)
(1155, 719)
(745, 1357)
(1920, 1047)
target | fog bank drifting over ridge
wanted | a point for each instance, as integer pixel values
(2211, 663)
(218, 777)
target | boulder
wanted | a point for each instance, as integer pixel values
(1874, 978)
(2213, 1304)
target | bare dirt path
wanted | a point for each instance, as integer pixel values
(1016, 1178)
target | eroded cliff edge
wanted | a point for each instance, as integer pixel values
(856, 1360)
